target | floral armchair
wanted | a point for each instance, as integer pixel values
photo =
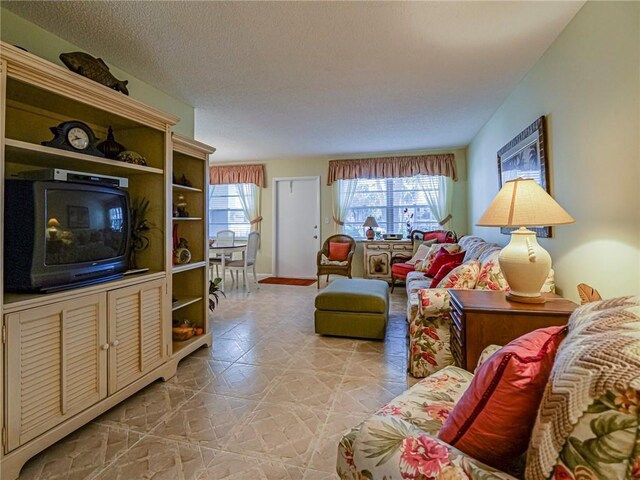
(587, 427)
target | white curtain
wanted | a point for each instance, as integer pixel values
(343, 192)
(249, 194)
(437, 190)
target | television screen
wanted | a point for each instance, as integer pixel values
(83, 226)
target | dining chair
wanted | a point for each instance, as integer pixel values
(248, 261)
(224, 238)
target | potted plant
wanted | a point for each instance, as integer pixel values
(408, 220)
(214, 290)
(140, 227)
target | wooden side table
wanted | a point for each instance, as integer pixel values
(480, 318)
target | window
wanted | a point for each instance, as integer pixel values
(385, 199)
(225, 211)
(115, 219)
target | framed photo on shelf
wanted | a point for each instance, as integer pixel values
(78, 216)
(526, 156)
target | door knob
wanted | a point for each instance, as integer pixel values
(105, 346)
(115, 343)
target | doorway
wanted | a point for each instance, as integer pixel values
(296, 206)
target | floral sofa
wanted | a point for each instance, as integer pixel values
(428, 308)
(587, 425)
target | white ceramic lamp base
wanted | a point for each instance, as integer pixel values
(525, 265)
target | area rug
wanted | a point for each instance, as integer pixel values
(299, 282)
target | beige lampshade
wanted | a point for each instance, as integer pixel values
(523, 203)
(370, 222)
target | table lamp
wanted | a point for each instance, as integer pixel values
(371, 223)
(524, 263)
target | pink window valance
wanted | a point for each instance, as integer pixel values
(386, 167)
(225, 174)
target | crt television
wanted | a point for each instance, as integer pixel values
(62, 235)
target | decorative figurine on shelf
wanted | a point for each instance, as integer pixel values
(132, 157)
(182, 254)
(94, 69)
(181, 207)
(184, 181)
(110, 147)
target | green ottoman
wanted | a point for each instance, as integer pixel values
(353, 308)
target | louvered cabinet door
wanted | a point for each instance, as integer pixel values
(56, 364)
(136, 336)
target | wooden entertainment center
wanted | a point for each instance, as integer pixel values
(69, 356)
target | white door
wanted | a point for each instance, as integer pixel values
(297, 226)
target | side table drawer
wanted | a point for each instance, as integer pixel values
(379, 247)
(457, 353)
(457, 337)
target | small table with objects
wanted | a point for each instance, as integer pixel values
(480, 318)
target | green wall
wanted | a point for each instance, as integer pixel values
(319, 167)
(17, 31)
(588, 86)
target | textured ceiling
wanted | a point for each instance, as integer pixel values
(308, 79)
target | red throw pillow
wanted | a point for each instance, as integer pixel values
(443, 257)
(338, 251)
(443, 272)
(494, 418)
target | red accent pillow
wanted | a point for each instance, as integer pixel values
(443, 257)
(494, 418)
(440, 236)
(338, 251)
(443, 272)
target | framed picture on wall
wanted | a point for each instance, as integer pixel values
(526, 156)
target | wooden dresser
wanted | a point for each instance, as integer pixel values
(379, 255)
(480, 318)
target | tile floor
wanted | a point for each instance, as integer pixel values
(269, 401)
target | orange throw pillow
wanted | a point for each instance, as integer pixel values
(494, 418)
(338, 251)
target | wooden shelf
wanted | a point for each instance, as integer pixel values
(187, 219)
(182, 349)
(183, 302)
(183, 187)
(20, 301)
(188, 266)
(17, 151)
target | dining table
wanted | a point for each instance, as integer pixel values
(221, 251)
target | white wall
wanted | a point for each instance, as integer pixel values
(588, 86)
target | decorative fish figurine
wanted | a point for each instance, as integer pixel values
(94, 69)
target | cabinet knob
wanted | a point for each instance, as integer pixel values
(115, 343)
(105, 346)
